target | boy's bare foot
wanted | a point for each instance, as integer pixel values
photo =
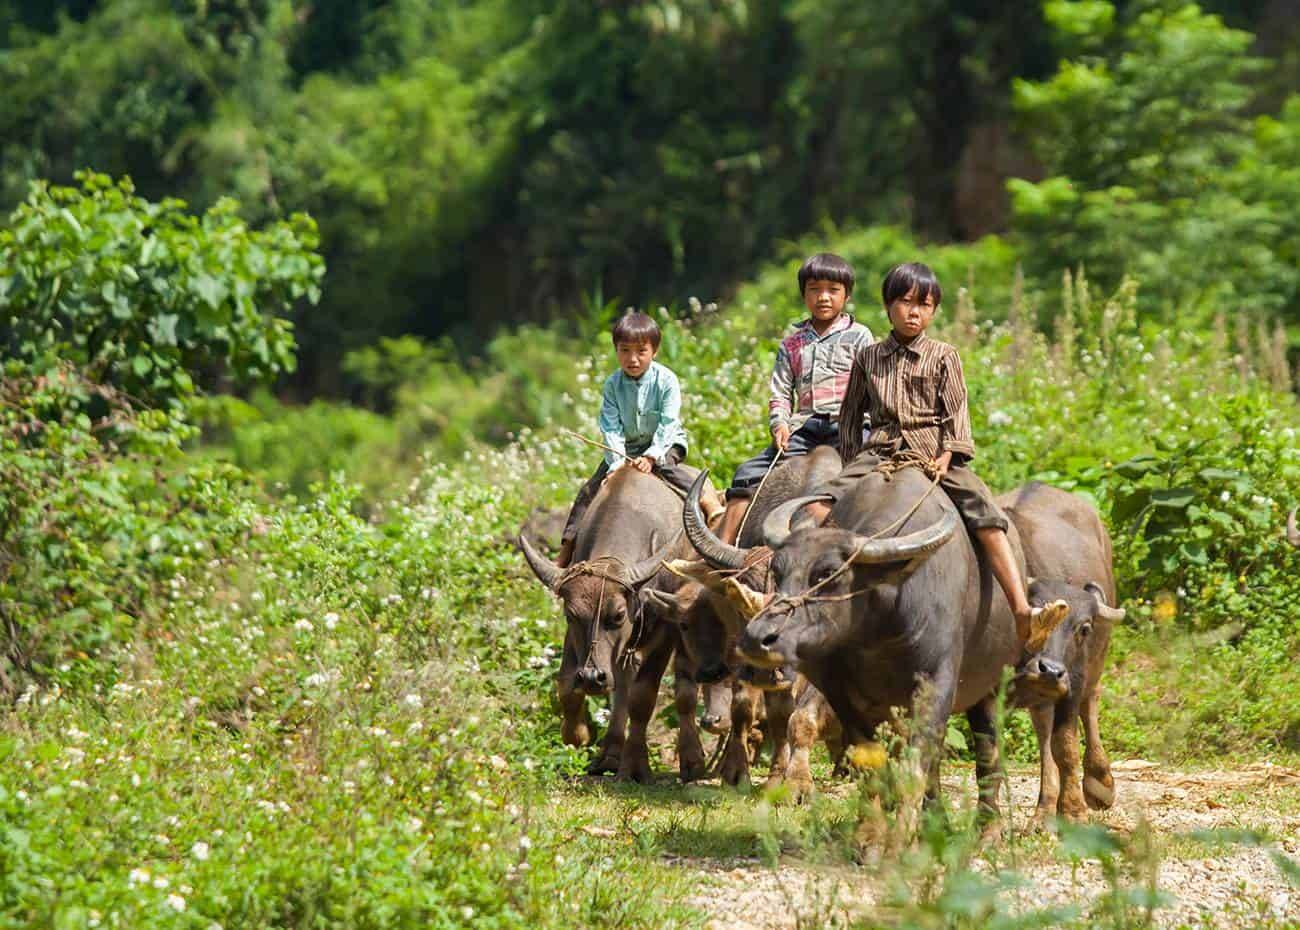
(1036, 624)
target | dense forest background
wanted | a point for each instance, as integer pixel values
(478, 163)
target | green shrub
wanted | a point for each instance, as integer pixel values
(144, 297)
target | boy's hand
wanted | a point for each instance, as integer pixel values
(941, 464)
(781, 436)
(643, 464)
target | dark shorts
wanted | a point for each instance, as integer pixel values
(969, 494)
(677, 477)
(816, 431)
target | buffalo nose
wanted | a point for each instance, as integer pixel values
(770, 640)
(592, 679)
(1047, 668)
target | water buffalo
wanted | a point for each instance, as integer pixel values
(1054, 683)
(873, 621)
(1064, 541)
(712, 612)
(612, 641)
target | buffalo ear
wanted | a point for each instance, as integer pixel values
(667, 606)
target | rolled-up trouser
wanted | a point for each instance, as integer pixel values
(668, 471)
(969, 494)
(818, 430)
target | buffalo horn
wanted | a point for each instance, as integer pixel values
(1104, 610)
(715, 551)
(1292, 532)
(776, 528)
(546, 571)
(643, 571)
(911, 546)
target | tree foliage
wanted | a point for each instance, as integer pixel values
(1152, 165)
(145, 296)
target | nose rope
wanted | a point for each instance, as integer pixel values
(788, 603)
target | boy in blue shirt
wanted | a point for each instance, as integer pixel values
(640, 421)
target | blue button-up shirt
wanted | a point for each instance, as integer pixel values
(642, 416)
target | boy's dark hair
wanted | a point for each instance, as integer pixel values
(826, 266)
(636, 328)
(902, 278)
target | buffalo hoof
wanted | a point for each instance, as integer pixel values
(577, 734)
(735, 770)
(991, 827)
(635, 768)
(604, 764)
(1099, 792)
(693, 769)
(801, 788)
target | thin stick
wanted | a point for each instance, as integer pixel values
(592, 442)
(757, 491)
(627, 458)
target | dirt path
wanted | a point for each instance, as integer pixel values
(1223, 887)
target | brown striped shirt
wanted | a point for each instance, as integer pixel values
(915, 397)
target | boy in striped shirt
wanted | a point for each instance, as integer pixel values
(914, 391)
(811, 373)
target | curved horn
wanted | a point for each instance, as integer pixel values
(911, 546)
(715, 551)
(547, 572)
(1292, 532)
(776, 528)
(1104, 610)
(643, 571)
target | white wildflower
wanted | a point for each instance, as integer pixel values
(1225, 496)
(176, 902)
(467, 912)
(315, 680)
(525, 842)
(413, 700)
(601, 715)
(303, 625)
(497, 762)
(999, 418)
(138, 877)
(330, 620)
(200, 851)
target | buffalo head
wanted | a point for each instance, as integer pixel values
(821, 574)
(602, 606)
(1059, 668)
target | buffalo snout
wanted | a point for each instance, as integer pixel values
(761, 644)
(591, 681)
(1043, 677)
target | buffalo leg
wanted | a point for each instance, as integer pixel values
(609, 758)
(932, 705)
(988, 771)
(690, 754)
(1098, 784)
(805, 726)
(635, 763)
(575, 721)
(780, 709)
(735, 761)
(1049, 779)
(1065, 749)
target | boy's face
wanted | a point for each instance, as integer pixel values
(824, 299)
(635, 357)
(910, 315)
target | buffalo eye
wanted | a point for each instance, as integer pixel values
(821, 573)
(1083, 631)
